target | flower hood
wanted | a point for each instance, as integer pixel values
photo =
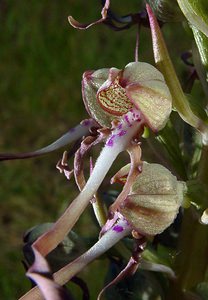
(109, 93)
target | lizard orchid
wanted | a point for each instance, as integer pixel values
(120, 103)
(150, 207)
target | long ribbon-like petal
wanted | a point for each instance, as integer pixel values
(79, 25)
(72, 135)
(41, 274)
(118, 141)
(119, 230)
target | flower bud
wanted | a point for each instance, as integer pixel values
(154, 200)
(110, 93)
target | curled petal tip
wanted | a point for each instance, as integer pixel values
(77, 24)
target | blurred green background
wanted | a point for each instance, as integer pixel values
(42, 60)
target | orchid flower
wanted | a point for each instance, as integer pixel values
(156, 193)
(128, 99)
(120, 103)
(124, 101)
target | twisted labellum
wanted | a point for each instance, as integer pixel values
(140, 86)
(124, 101)
(157, 193)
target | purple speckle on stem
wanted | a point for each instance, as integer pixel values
(118, 228)
(86, 122)
(127, 120)
(110, 141)
(122, 132)
(138, 117)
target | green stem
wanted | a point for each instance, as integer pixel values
(164, 64)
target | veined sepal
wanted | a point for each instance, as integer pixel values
(154, 199)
